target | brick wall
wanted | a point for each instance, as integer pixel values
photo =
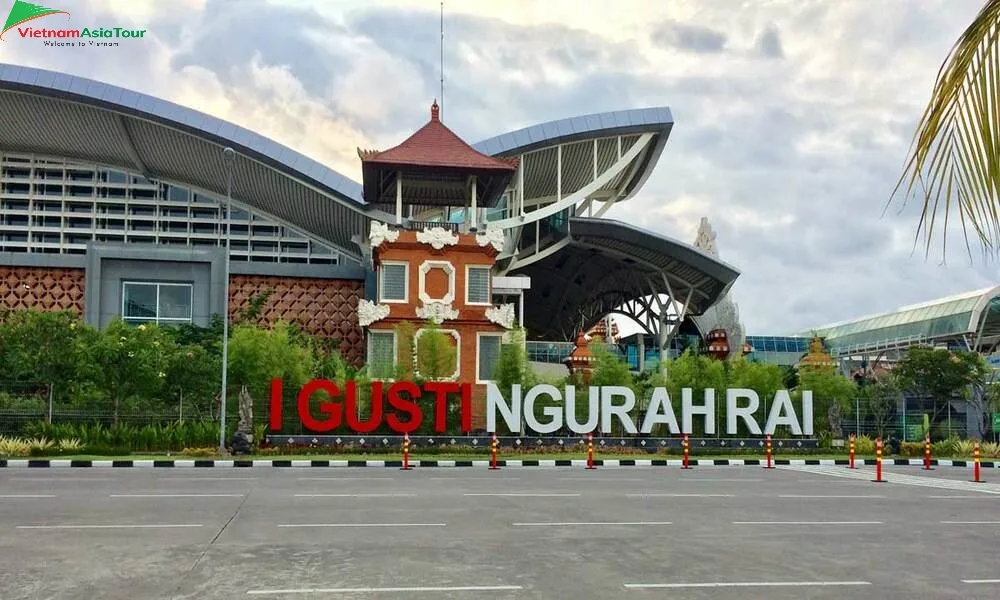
(322, 307)
(42, 288)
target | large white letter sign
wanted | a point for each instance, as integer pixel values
(593, 408)
(511, 413)
(807, 412)
(734, 411)
(688, 409)
(607, 409)
(660, 400)
(555, 412)
(782, 413)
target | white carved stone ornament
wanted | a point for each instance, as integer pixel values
(369, 312)
(437, 312)
(502, 315)
(494, 237)
(380, 232)
(437, 237)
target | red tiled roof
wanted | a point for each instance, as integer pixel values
(434, 145)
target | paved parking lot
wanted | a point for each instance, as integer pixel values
(710, 532)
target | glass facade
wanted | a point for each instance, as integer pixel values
(777, 350)
(392, 282)
(381, 354)
(489, 356)
(54, 206)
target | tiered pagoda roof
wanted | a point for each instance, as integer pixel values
(436, 165)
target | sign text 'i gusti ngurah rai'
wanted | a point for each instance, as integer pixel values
(557, 408)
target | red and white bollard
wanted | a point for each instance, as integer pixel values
(975, 464)
(687, 451)
(590, 451)
(406, 453)
(768, 450)
(878, 461)
(852, 452)
(927, 453)
(493, 453)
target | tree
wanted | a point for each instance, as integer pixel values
(512, 365)
(194, 375)
(44, 347)
(953, 161)
(256, 356)
(832, 394)
(938, 372)
(436, 355)
(132, 362)
(881, 397)
(698, 372)
(763, 378)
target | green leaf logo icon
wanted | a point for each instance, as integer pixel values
(22, 12)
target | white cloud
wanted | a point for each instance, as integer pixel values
(791, 154)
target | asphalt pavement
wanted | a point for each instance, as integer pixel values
(518, 533)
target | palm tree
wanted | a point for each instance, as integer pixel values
(954, 159)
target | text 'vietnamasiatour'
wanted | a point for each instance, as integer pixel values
(605, 405)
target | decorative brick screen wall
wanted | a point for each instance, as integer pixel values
(322, 307)
(42, 288)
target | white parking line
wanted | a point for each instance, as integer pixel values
(108, 526)
(720, 584)
(196, 478)
(363, 525)
(525, 495)
(608, 479)
(656, 495)
(719, 479)
(970, 522)
(16, 496)
(808, 523)
(355, 495)
(384, 590)
(588, 524)
(344, 478)
(827, 496)
(176, 495)
(981, 581)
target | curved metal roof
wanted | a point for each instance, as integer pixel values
(56, 114)
(606, 263)
(586, 127)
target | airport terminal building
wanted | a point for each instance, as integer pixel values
(112, 204)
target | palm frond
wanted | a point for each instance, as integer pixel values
(954, 159)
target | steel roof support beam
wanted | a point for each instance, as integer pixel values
(133, 154)
(578, 196)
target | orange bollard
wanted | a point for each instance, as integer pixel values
(406, 453)
(975, 464)
(927, 453)
(852, 452)
(878, 461)
(493, 454)
(590, 451)
(687, 451)
(767, 446)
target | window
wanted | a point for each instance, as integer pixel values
(156, 302)
(392, 282)
(477, 285)
(487, 356)
(381, 354)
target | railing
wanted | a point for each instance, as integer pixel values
(418, 225)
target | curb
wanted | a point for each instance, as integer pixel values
(56, 463)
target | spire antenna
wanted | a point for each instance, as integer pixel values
(442, 57)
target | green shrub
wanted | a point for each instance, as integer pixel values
(911, 449)
(864, 445)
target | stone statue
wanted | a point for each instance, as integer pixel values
(833, 416)
(246, 412)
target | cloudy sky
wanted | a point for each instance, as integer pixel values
(792, 118)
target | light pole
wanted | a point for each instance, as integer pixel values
(229, 156)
